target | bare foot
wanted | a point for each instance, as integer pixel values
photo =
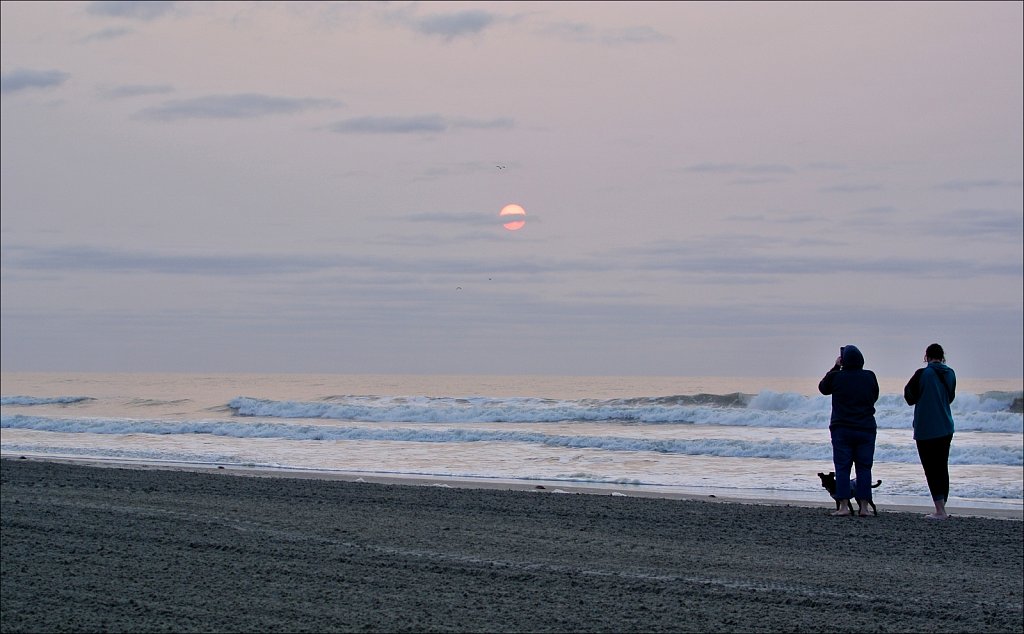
(937, 517)
(843, 513)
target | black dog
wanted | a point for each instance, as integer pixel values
(828, 482)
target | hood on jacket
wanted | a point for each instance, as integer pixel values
(940, 368)
(853, 359)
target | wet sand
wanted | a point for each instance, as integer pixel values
(89, 548)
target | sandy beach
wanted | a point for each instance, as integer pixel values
(89, 548)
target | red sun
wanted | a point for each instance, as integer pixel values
(514, 216)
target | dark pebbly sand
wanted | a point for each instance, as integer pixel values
(89, 549)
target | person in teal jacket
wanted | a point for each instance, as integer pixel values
(930, 391)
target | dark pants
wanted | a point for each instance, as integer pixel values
(849, 447)
(934, 454)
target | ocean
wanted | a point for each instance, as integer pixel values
(759, 438)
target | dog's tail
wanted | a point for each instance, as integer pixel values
(876, 485)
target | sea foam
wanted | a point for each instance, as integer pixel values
(1003, 454)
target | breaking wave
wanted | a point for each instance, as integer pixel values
(989, 412)
(1009, 454)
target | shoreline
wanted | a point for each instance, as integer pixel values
(549, 486)
(94, 548)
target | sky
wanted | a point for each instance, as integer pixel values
(711, 189)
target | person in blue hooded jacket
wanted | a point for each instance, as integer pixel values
(930, 391)
(852, 426)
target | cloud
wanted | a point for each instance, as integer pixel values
(852, 188)
(990, 223)
(111, 33)
(828, 166)
(26, 79)
(241, 106)
(830, 265)
(464, 219)
(123, 261)
(391, 125)
(455, 218)
(110, 261)
(583, 32)
(134, 90)
(133, 10)
(501, 123)
(420, 124)
(738, 168)
(743, 182)
(878, 218)
(992, 183)
(452, 25)
(739, 255)
(633, 35)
